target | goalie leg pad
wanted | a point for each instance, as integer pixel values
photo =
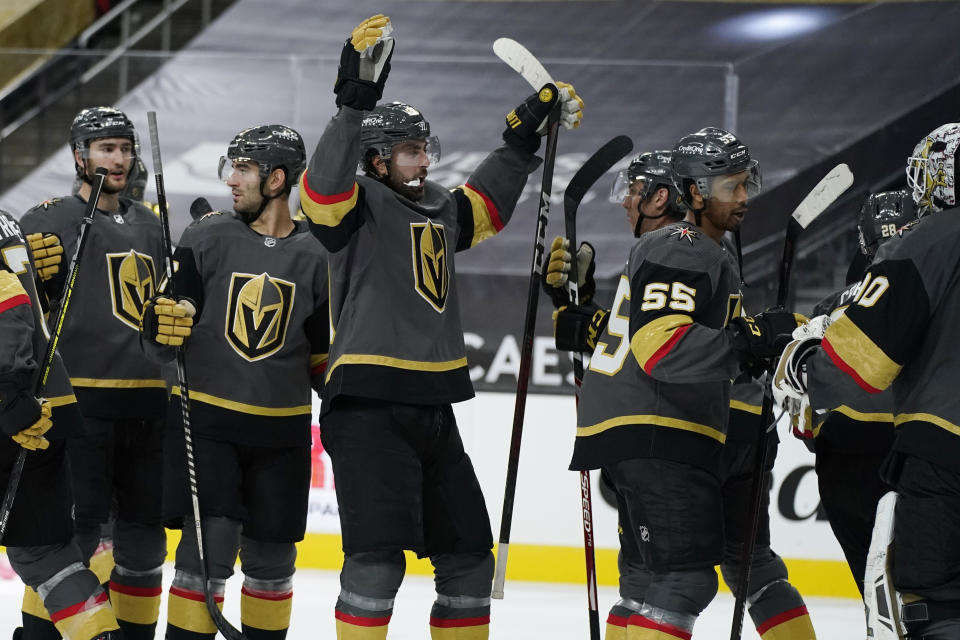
(880, 598)
(369, 582)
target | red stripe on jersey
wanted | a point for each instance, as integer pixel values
(328, 199)
(140, 592)
(360, 621)
(492, 211)
(90, 603)
(267, 595)
(448, 623)
(197, 596)
(15, 301)
(617, 621)
(669, 629)
(319, 369)
(846, 368)
(661, 353)
(765, 626)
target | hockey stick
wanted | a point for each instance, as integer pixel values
(529, 324)
(830, 187)
(591, 171)
(228, 630)
(199, 208)
(15, 474)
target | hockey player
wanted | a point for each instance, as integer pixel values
(852, 440)
(39, 534)
(898, 333)
(777, 609)
(653, 409)
(121, 394)
(252, 311)
(397, 358)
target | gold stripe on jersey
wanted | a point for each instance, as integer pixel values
(317, 359)
(486, 220)
(660, 421)
(739, 405)
(946, 425)
(328, 210)
(61, 401)
(108, 383)
(859, 356)
(864, 417)
(398, 363)
(653, 336)
(233, 405)
(10, 287)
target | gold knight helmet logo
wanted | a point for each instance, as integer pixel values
(132, 283)
(430, 269)
(258, 312)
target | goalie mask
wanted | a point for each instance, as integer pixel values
(881, 216)
(101, 122)
(700, 157)
(931, 169)
(391, 124)
(647, 173)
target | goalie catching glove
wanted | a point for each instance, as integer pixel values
(528, 122)
(166, 321)
(557, 267)
(47, 254)
(365, 64)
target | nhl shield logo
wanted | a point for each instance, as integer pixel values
(132, 283)
(430, 270)
(258, 312)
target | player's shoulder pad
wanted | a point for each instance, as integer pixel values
(50, 205)
(680, 246)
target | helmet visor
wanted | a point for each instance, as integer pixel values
(416, 153)
(104, 150)
(733, 187)
(242, 167)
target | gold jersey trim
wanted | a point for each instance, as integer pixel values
(326, 210)
(901, 418)
(61, 401)
(660, 421)
(398, 363)
(739, 405)
(233, 405)
(109, 383)
(654, 336)
(483, 227)
(864, 417)
(861, 355)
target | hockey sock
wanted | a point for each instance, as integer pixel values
(779, 613)
(135, 596)
(460, 618)
(265, 607)
(643, 628)
(36, 621)
(362, 618)
(617, 618)
(79, 607)
(187, 615)
(101, 562)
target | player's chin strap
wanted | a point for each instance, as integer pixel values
(738, 242)
(250, 218)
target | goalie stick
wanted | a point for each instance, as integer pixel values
(592, 170)
(517, 56)
(17, 471)
(228, 630)
(830, 187)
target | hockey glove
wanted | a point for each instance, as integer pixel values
(47, 254)
(571, 108)
(365, 64)
(167, 322)
(525, 122)
(557, 266)
(576, 328)
(32, 438)
(764, 336)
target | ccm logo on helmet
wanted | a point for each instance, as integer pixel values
(737, 154)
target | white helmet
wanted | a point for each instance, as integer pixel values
(931, 169)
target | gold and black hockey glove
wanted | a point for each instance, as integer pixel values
(23, 417)
(47, 254)
(556, 269)
(166, 321)
(525, 123)
(757, 340)
(576, 327)
(365, 64)
(32, 438)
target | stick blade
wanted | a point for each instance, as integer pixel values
(593, 169)
(522, 61)
(823, 195)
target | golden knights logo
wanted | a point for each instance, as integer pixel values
(258, 312)
(430, 271)
(132, 283)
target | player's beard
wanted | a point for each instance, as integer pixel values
(398, 184)
(107, 187)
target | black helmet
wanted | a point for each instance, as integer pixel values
(393, 123)
(881, 215)
(271, 146)
(708, 153)
(100, 122)
(653, 167)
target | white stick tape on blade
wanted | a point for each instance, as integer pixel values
(823, 195)
(522, 61)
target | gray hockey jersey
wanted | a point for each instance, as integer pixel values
(118, 273)
(658, 384)
(899, 333)
(260, 333)
(24, 336)
(395, 313)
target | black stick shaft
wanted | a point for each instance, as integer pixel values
(526, 355)
(17, 472)
(228, 630)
